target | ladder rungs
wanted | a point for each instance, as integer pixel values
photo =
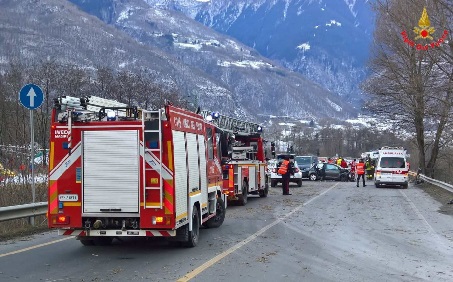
(153, 116)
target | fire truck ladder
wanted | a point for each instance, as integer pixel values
(232, 124)
(152, 126)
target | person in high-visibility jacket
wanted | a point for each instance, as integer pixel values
(360, 170)
(286, 169)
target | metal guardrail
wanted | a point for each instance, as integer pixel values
(438, 183)
(30, 210)
(21, 211)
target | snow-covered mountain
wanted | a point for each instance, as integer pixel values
(257, 84)
(204, 66)
(326, 40)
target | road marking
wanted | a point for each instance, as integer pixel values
(420, 215)
(252, 237)
(35, 247)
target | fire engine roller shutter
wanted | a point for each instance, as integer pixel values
(110, 171)
(203, 169)
(180, 173)
(192, 159)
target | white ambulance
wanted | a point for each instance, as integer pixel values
(391, 168)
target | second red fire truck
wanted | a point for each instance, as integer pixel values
(243, 158)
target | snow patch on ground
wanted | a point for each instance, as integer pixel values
(334, 105)
(188, 45)
(333, 22)
(304, 46)
(244, 64)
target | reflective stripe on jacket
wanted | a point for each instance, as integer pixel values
(360, 168)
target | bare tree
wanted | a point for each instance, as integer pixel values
(410, 85)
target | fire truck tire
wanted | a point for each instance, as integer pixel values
(217, 220)
(265, 191)
(273, 183)
(299, 183)
(192, 236)
(242, 199)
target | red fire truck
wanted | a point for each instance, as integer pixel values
(243, 158)
(120, 171)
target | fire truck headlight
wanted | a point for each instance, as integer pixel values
(259, 129)
(111, 116)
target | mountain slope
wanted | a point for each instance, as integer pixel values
(327, 41)
(206, 67)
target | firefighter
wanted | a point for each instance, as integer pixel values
(360, 170)
(369, 168)
(286, 169)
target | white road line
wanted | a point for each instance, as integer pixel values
(36, 246)
(420, 215)
(252, 237)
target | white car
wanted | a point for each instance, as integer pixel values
(277, 178)
(271, 164)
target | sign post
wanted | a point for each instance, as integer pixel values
(31, 97)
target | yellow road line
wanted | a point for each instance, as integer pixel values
(36, 246)
(220, 256)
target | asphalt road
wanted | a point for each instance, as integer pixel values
(324, 231)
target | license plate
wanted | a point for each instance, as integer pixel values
(68, 197)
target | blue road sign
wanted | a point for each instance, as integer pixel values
(31, 96)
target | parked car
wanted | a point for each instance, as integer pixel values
(271, 165)
(305, 163)
(326, 171)
(277, 178)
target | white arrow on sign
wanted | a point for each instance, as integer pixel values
(32, 96)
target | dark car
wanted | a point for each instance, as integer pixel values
(305, 163)
(325, 171)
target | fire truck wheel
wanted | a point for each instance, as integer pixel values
(273, 183)
(265, 191)
(242, 199)
(299, 183)
(218, 219)
(192, 239)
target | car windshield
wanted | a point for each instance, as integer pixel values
(392, 162)
(303, 160)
